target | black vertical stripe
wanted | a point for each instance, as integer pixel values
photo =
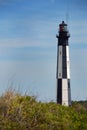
(59, 91)
(64, 62)
(69, 92)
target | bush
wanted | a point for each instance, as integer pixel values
(26, 113)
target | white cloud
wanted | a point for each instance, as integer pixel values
(23, 42)
(31, 76)
(28, 33)
(78, 73)
(78, 32)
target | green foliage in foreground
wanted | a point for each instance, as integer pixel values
(25, 113)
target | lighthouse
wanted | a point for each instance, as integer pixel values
(63, 66)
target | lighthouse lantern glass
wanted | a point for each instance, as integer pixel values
(63, 28)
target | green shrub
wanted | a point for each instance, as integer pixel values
(26, 113)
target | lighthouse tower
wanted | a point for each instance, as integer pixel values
(63, 66)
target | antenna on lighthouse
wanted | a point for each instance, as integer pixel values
(67, 11)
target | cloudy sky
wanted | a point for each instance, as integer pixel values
(28, 46)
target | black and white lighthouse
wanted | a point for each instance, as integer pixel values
(63, 66)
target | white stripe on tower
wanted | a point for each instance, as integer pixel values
(60, 62)
(68, 62)
(65, 92)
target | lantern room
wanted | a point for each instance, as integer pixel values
(63, 27)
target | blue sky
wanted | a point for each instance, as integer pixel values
(28, 46)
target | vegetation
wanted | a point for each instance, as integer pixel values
(26, 113)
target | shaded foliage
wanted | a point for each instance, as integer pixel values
(25, 113)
